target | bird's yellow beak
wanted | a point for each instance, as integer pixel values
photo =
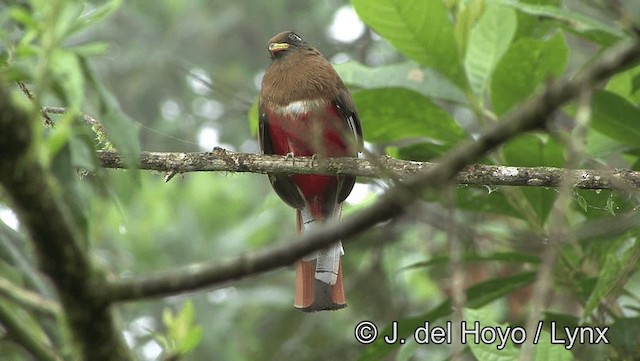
(276, 47)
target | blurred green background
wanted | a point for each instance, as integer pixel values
(187, 74)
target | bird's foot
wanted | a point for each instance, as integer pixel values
(292, 156)
(313, 159)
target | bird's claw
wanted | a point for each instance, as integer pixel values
(292, 156)
(313, 158)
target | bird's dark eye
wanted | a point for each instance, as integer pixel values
(295, 37)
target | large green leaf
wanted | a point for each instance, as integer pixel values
(615, 117)
(467, 15)
(419, 29)
(620, 262)
(394, 114)
(627, 85)
(488, 42)
(585, 26)
(477, 296)
(535, 26)
(406, 75)
(526, 64)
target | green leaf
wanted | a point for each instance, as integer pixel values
(599, 204)
(395, 114)
(627, 85)
(535, 26)
(96, 15)
(620, 262)
(624, 335)
(488, 42)
(68, 78)
(421, 30)
(613, 116)
(468, 14)
(485, 199)
(545, 350)
(526, 64)
(183, 335)
(404, 75)
(66, 16)
(474, 257)
(601, 146)
(421, 151)
(477, 296)
(585, 26)
(484, 350)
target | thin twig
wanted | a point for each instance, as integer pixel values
(47, 120)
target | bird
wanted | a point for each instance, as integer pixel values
(306, 110)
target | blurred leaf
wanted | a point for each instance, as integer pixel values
(620, 262)
(68, 77)
(531, 150)
(613, 116)
(90, 49)
(525, 65)
(532, 26)
(600, 203)
(485, 351)
(485, 199)
(488, 41)
(624, 335)
(585, 26)
(474, 257)
(406, 75)
(627, 85)
(468, 14)
(421, 30)
(182, 332)
(477, 296)
(421, 151)
(65, 14)
(545, 350)
(601, 146)
(394, 114)
(95, 16)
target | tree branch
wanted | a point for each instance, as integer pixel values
(56, 238)
(384, 166)
(532, 114)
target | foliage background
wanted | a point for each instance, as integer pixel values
(185, 75)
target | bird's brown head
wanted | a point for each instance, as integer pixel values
(285, 43)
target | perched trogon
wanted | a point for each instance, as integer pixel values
(306, 110)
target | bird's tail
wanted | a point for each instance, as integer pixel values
(319, 275)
